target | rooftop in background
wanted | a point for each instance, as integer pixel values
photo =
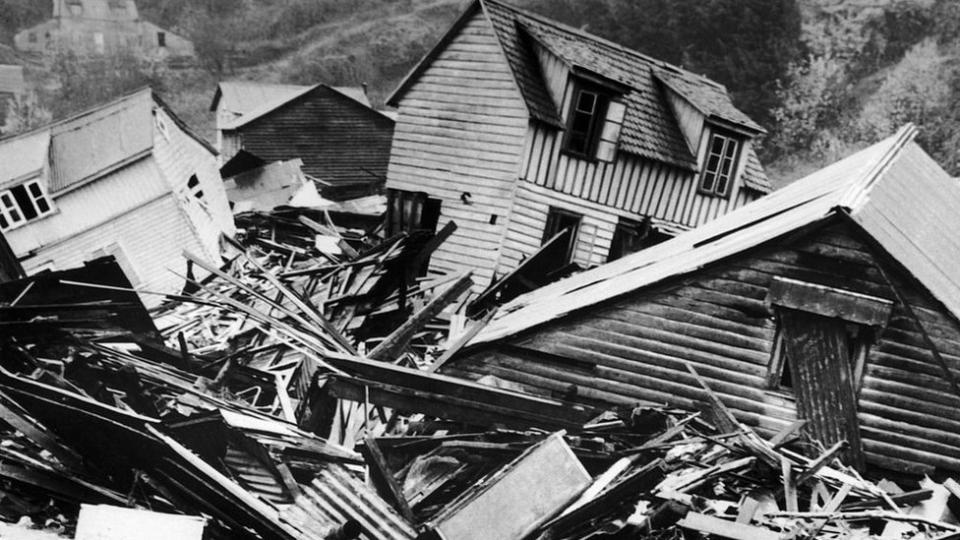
(893, 189)
(249, 100)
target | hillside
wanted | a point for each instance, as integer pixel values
(824, 76)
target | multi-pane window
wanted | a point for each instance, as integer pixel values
(586, 118)
(721, 164)
(23, 203)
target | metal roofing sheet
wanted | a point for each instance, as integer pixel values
(23, 156)
(336, 497)
(92, 143)
(851, 183)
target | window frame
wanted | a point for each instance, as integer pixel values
(602, 98)
(551, 228)
(734, 162)
(9, 204)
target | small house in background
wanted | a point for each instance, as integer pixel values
(127, 179)
(343, 142)
(101, 27)
(518, 128)
(834, 300)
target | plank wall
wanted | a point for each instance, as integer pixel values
(461, 130)
(635, 350)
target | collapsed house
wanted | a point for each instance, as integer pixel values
(833, 300)
(344, 143)
(302, 391)
(519, 128)
(127, 179)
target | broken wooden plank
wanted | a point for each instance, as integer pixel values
(383, 478)
(725, 528)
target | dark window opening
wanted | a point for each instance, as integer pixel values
(24, 202)
(193, 184)
(161, 39)
(585, 121)
(559, 221)
(409, 211)
(723, 151)
(632, 236)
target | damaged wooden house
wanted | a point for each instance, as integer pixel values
(834, 300)
(127, 179)
(343, 142)
(518, 128)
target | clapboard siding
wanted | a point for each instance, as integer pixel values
(461, 130)
(152, 238)
(636, 349)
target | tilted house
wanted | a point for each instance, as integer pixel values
(343, 142)
(101, 27)
(835, 300)
(126, 179)
(517, 128)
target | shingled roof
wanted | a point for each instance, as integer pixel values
(251, 100)
(650, 128)
(893, 190)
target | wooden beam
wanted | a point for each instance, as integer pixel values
(725, 528)
(391, 347)
(383, 478)
(820, 462)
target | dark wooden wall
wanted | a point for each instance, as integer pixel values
(635, 349)
(339, 140)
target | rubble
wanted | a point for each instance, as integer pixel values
(293, 393)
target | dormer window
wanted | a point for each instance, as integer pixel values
(23, 203)
(723, 152)
(593, 123)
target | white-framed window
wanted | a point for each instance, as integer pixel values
(23, 203)
(723, 152)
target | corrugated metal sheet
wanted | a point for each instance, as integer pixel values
(23, 156)
(336, 497)
(845, 183)
(94, 142)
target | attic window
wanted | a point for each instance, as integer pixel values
(594, 122)
(23, 203)
(161, 39)
(723, 152)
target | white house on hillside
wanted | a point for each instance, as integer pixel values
(127, 179)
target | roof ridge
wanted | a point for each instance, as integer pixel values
(656, 62)
(858, 192)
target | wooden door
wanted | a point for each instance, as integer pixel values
(817, 349)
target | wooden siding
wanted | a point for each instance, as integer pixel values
(151, 236)
(634, 349)
(461, 128)
(638, 185)
(339, 140)
(91, 205)
(528, 218)
(179, 157)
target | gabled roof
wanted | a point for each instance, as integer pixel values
(252, 100)
(88, 145)
(104, 10)
(893, 190)
(650, 128)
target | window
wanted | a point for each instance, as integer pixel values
(632, 236)
(193, 184)
(32, 37)
(161, 39)
(857, 340)
(586, 114)
(23, 203)
(558, 221)
(723, 150)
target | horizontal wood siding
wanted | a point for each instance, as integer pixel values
(637, 185)
(635, 349)
(461, 129)
(528, 219)
(152, 238)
